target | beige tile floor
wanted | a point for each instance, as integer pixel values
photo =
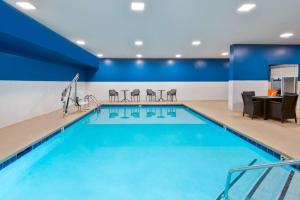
(284, 138)
(16, 137)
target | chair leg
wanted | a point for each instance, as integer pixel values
(296, 119)
(282, 120)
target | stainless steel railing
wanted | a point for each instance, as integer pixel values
(255, 167)
(92, 98)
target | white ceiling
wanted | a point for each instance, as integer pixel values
(168, 27)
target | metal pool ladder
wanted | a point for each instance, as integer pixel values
(293, 175)
(92, 98)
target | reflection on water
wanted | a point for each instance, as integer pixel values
(145, 115)
(135, 112)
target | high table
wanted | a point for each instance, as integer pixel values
(161, 95)
(266, 99)
(125, 98)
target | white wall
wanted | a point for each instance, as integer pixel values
(299, 94)
(21, 100)
(185, 90)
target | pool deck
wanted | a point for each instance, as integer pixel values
(284, 138)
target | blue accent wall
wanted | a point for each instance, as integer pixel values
(14, 67)
(21, 35)
(251, 62)
(190, 70)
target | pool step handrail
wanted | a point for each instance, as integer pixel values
(255, 167)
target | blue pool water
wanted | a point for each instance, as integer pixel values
(131, 153)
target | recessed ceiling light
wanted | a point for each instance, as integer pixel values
(80, 42)
(286, 35)
(137, 6)
(25, 5)
(196, 43)
(99, 55)
(138, 43)
(225, 54)
(139, 55)
(246, 7)
(178, 56)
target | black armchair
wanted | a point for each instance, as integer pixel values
(150, 94)
(285, 109)
(251, 107)
(135, 94)
(172, 94)
(112, 95)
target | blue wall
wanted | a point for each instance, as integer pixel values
(21, 35)
(251, 62)
(160, 70)
(13, 67)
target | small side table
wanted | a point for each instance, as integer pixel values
(125, 97)
(161, 95)
(266, 100)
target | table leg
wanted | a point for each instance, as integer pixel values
(160, 98)
(125, 98)
(265, 110)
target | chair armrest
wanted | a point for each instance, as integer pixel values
(275, 102)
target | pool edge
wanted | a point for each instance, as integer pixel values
(23, 151)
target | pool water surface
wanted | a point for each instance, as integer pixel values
(131, 153)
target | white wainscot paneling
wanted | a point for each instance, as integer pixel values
(185, 90)
(299, 94)
(21, 100)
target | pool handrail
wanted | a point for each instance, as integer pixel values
(254, 167)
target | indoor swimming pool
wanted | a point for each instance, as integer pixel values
(133, 153)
